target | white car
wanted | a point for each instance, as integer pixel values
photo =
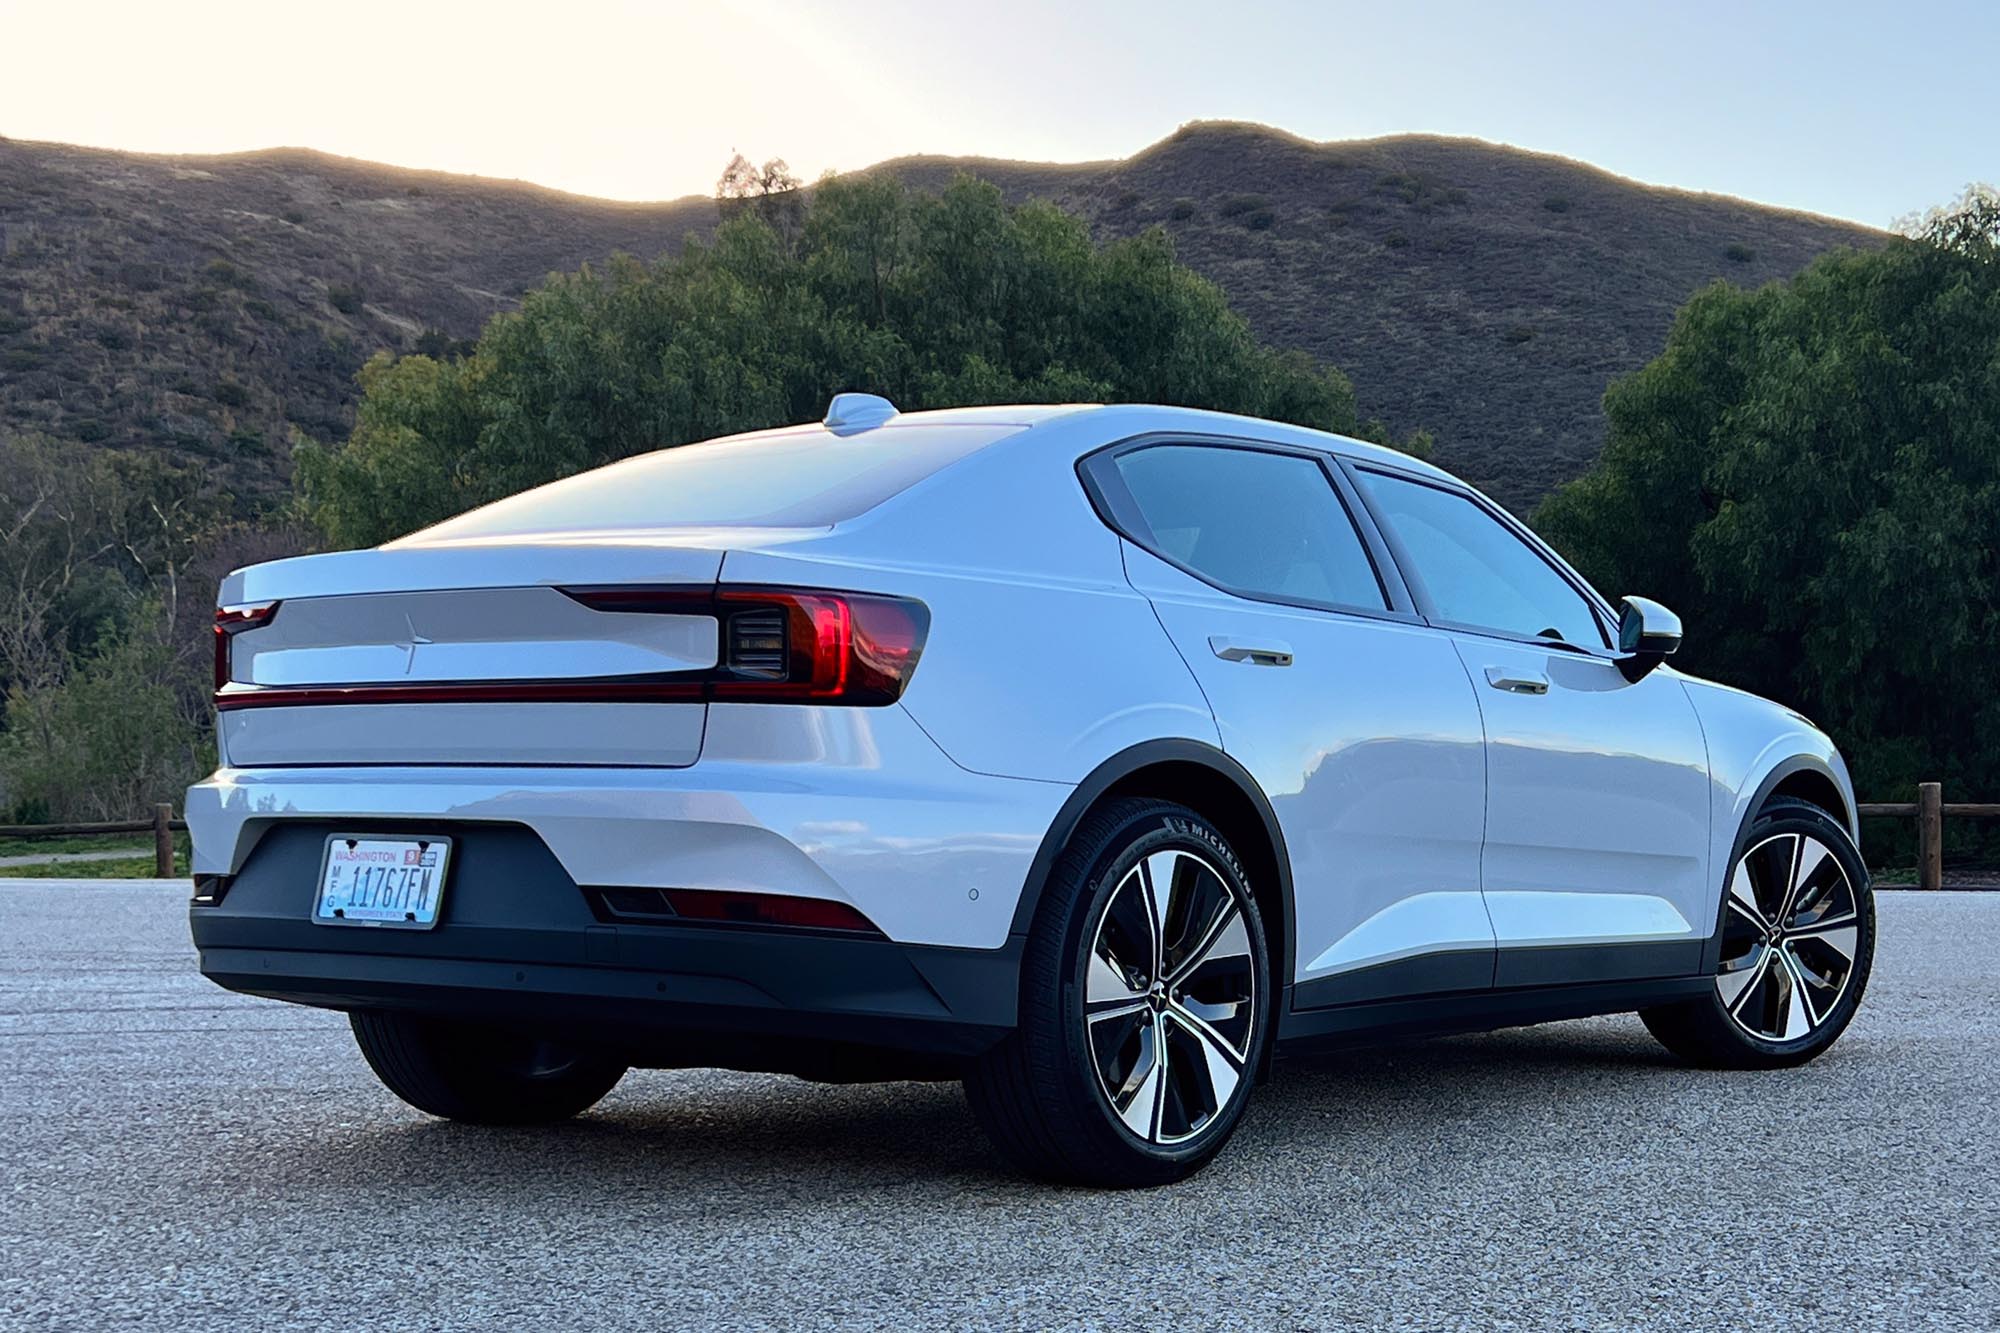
(1089, 754)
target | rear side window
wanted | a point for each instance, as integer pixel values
(805, 479)
(1477, 570)
(1267, 525)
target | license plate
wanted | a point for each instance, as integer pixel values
(395, 882)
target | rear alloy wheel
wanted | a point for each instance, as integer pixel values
(1170, 996)
(1145, 1005)
(1797, 941)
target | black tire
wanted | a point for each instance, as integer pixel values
(1045, 1095)
(1747, 1020)
(483, 1075)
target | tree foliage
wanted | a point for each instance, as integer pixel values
(108, 566)
(934, 300)
(1810, 474)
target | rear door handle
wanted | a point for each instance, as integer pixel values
(1516, 681)
(1257, 654)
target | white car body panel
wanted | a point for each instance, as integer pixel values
(1598, 808)
(1369, 748)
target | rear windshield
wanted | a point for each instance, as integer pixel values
(808, 479)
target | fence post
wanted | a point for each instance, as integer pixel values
(163, 841)
(1930, 835)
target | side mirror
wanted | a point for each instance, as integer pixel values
(1648, 634)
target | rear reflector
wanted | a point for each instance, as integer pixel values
(767, 909)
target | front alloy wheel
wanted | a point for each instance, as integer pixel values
(1145, 1005)
(1789, 938)
(1797, 940)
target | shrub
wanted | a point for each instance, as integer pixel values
(225, 274)
(1237, 204)
(344, 297)
(1519, 333)
(1260, 220)
(1557, 203)
(108, 742)
(230, 394)
(1739, 253)
(1180, 210)
(1395, 240)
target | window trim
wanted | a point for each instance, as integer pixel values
(1600, 609)
(1115, 506)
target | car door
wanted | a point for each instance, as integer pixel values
(1357, 721)
(1595, 864)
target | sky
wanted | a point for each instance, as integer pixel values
(1866, 111)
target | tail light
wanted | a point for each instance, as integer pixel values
(231, 621)
(774, 646)
(816, 647)
(783, 646)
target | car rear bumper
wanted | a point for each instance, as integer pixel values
(851, 805)
(518, 941)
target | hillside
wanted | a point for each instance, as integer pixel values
(210, 305)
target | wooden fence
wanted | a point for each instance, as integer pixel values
(162, 826)
(1929, 810)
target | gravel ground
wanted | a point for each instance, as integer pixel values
(180, 1157)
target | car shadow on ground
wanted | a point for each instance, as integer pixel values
(737, 1133)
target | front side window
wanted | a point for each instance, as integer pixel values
(1267, 525)
(1477, 570)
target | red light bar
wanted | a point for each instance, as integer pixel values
(767, 909)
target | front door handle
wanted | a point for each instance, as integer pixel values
(1516, 681)
(1257, 654)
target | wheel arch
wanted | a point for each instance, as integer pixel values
(1799, 777)
(1802, 780)
(1214, 785)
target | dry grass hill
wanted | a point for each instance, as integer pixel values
(209, 305)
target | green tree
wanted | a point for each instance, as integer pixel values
(935, 300)
(1810, 474)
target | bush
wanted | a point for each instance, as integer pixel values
(1260, 220)
(1739, 253)
(230, 394)
(1519, 333)
(344, 297)
(1557, 203)
(225, 274)
(1180, 210)
(107, 743)
(1237, 204)
(1395, 240)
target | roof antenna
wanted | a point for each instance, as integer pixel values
(849, 412)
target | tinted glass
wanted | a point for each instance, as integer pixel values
(1476, 570)
(1266, 524)
(798, 479)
